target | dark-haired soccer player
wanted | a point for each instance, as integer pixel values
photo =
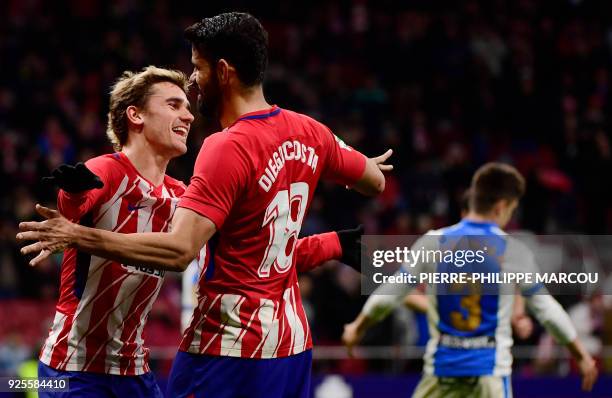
(96, 338)
(468, 353)
(521, 322)
(252, 184)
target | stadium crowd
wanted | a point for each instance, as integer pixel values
(447, 85)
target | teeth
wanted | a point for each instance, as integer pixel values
(181, 130)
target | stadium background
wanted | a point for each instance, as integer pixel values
(448, 85)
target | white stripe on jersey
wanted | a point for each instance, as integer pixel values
(231, 328)
(197, 335)
(279, 339)
(307, 331)
(144, 217)
(267, 315)
(69, 337)
(106, 220)
(83, 328)
(140, 356)
(503, 336)
(81, 322)
(58, 325)
(244, 330)
(114, 330)
(433, 319)
(295, 324)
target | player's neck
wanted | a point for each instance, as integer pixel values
(238, 103)
(477, 217)
(150, 165)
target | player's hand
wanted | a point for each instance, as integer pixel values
(53, 235)
(351, 336)
(380, 161)
(588, 371)
(350, 241)
(73, 179)
(523, 326)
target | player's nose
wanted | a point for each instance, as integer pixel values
(187, 117)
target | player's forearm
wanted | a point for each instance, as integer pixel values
(577, 350)
(312, 251)
(363, 322)
(157, 250)
(372, 182)
(416, 302)
(553, 317)
(384, 299)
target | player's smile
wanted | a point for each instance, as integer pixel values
(182, 131)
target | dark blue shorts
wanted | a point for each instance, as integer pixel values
(205, 376)
(97, 385)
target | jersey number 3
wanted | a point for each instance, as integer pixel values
(284, 216)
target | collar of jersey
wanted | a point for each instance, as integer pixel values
(479, 223)
(263, 114)
(131, 165)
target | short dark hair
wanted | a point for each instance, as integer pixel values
(236, 37)
(493, 182)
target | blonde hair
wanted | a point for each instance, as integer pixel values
(134, 88)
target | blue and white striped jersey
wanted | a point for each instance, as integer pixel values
(470, 328)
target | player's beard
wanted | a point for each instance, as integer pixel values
(209, 102)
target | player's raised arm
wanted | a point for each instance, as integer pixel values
(372, 182)
(167, 251)
(349, 167)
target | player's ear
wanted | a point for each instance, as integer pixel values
(134, 115)
(500, 207)
(223, 71)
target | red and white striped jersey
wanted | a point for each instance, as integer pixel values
(103, 305)
(255, 181)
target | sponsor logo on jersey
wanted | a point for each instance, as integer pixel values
(141, 269)
(467, 343)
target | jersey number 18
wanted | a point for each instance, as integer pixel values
(284, 216)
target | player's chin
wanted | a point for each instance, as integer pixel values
(182, 148)
(179, 147)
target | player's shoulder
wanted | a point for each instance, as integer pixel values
(435, 232)
(291, 118)
(430, 239)
(228, 137)
(108, 166)
(300, 116)
(517, 245)
(308, 121)
(229, 142)
(108, 160)
(227, 149)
